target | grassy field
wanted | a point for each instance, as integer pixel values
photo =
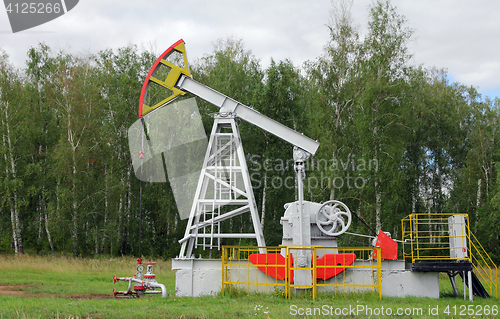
(67, 287)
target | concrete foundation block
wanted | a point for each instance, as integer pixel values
(402, 283)
(197, 277)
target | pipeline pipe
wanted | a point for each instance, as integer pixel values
(153, 292)
(129, 279)
(146, 284)
(154, 284)
(129, 285)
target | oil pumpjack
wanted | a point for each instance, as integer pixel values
(222, 179)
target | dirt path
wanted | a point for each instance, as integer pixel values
(21, 291)
(12, 290)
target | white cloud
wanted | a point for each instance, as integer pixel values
(460, 35)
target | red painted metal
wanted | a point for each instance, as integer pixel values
(272, 264)
(340, 260)
(388, 247)
(146, 81)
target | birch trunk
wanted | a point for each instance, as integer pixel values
(106, 203)
(378, 195)
(75, 205)
(429, 217)
(7, 173)
(40, 225)
(49, 238)
(264, 195)
(14, 233)
(120, 213)
(16, 224)
(332, 190)
(478, 198)
(125, 234)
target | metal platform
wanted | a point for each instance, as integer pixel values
(441, 266)
(464, 269)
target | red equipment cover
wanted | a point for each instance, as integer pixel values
(274, 265)
(388, 247)
(341, 261)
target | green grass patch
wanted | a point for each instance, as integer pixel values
(67, 287)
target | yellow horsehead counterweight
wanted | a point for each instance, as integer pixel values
(167, 82)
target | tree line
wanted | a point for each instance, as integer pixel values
(395, 137)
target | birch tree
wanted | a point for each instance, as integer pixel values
(334, 87)
(74, 97)
(44, 136)
(385, 72)
(11, 121)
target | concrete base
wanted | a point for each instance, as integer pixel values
(198, 277)
(397, 281)
(402, 283)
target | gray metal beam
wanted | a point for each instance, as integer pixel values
(228, 105)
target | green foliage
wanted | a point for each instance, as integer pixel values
(279, 293)
(395, 138)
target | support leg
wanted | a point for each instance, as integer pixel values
(453, 280)
(471, 295)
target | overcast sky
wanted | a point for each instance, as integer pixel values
(462, 36)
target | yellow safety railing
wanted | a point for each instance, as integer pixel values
(442, 237)
(483, 266)
(360, 276)
(427, 237)
(240, 274)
